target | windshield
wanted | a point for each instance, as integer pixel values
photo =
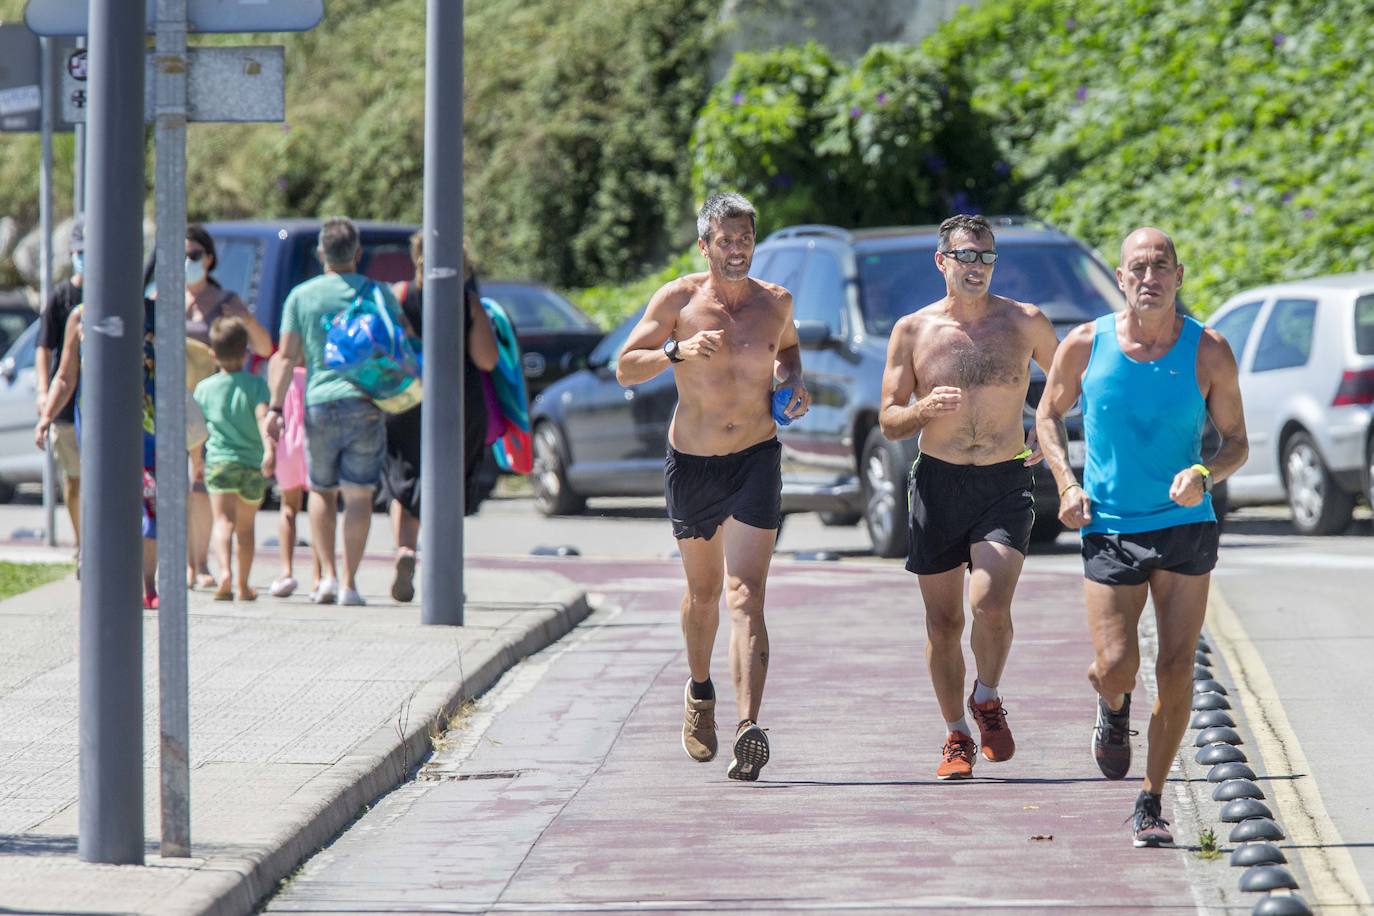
(533, 308)
(1068, 285)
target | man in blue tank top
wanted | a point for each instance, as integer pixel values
(957, 373)
(1148, 378)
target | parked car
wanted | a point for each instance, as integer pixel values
(20, 462)
(15, 315)
(1306, 356)
(555, 337)
(593, 437)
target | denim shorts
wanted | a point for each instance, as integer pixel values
(345, 442)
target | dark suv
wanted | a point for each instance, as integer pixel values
(849, 288)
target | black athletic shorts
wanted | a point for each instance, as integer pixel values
(954, 506)
(1128, 559)
(704, 491)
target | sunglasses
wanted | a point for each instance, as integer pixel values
(195, 254)
(969, 255)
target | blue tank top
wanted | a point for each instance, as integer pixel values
(1142, 423)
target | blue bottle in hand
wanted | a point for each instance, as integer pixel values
(781, 398)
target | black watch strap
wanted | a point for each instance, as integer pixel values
(273, 409)
(670, 348)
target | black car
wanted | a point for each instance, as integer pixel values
(593, 437)
(555, 338)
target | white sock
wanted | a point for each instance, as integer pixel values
(982, 692)
(961, 726)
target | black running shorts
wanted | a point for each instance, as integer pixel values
(704, 491)
(954, 506)
(1128, 559)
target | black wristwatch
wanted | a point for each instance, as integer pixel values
(670, 348)
(273, 409)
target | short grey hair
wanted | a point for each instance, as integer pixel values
(339, 242)
(723, 205)
(976, 226)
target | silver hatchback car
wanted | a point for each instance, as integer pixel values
(1306, 356)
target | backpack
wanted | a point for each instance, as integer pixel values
(508, 411)
(367, 344)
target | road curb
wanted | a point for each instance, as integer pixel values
(374, 766)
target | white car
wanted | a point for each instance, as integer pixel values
(20, 462)
(1306, 356)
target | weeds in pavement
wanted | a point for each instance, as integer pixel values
(1207, 847)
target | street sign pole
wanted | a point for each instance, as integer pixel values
(45, 126)
(441, 411)
(111, 662)
(79, 136)
(169, 77)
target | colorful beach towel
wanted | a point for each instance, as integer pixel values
(514, 449)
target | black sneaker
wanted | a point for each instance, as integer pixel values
(1112, 739)
(751, 752)
(1148, 826)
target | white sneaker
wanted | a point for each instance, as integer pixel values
(283, 587)
(351, 596)
(327, 592)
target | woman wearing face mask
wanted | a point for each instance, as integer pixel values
(206, 301)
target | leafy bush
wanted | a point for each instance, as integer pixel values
(1240, 128)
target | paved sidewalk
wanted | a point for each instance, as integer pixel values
(300, 716)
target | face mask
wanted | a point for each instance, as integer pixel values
(78, 262)
(195, 271)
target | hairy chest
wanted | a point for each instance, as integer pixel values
(972, 357)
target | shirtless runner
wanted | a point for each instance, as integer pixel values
(957, 373)
(727, 338)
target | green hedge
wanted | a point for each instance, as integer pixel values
(1241, 128)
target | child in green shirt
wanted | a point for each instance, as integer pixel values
(235, 406)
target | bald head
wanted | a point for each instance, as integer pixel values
(1148, 237)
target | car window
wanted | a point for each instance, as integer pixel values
(759, 268)
(20, 354)
(1364, 325)
(1237, 324)
(237, 267)
(1065, 281)
(785, 268)
(12, 324)
(1287, 338)
(821, 294)
(607, 353)
(533, 308)
(386, 262)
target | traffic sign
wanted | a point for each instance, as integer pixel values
(21, 92)
(223, 84)
(68, 17)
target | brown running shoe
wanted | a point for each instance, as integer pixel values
(699, 727)
(998, 744)
(959, 753)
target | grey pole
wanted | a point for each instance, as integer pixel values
(111, 673)
(169, 75)
(45, 118)
(441, 412)
(79, 138)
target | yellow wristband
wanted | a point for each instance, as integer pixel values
(1202, 469)
(1070, 487)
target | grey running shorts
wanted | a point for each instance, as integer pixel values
(703, 491)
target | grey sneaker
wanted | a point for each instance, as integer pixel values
(751, 752)
(1112, 739)
(698, 727)
(1148, 826)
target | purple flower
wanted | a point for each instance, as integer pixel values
(286, 127)
(1308, 213)
(1237, 183)
(855, 111)
(1070, 24)
(737, 98)
(1288, 197)
(1279, 39)
(1001, 168)
(882, 98)
(1081, 94)
(781, 181)
(962, 203)
(282, 184)
(1247, 210)
(935, 163)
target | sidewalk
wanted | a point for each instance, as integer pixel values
(300, 717)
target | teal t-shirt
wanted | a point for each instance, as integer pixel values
(308, 311)
(230, 402)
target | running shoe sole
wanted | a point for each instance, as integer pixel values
(751, 753)
(954, 777)
(1153, 843)
(403, 588)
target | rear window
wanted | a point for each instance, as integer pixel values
(1068, 285)
(1364, 325)
(533, 308)
(1287, 339)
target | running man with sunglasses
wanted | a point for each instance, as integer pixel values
(957, 374)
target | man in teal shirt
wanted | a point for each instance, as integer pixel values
(345, 432)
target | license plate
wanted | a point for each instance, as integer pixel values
(1077, 453)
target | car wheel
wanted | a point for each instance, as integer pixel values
(1369, 472)
(883, 478)
(1046, 528)
(840, 519)
(552, 493)
(1318, 503)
